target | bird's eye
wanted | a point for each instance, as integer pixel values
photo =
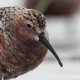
(29, 25)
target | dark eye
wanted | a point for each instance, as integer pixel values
(29, 26)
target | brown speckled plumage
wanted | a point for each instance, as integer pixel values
(23, 41)
(19, 52)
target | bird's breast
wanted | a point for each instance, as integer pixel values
(22, 57)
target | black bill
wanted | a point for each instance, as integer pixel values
(43, 39)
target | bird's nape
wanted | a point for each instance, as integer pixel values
(43, 39)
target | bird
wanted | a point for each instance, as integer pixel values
(24, 41)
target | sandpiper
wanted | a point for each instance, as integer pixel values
(23, 41)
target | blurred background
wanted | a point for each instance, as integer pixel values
(63, 25)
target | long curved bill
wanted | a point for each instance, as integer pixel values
(43, 39)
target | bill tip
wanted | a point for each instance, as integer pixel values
(61, 64)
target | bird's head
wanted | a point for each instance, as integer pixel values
(30, 26)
